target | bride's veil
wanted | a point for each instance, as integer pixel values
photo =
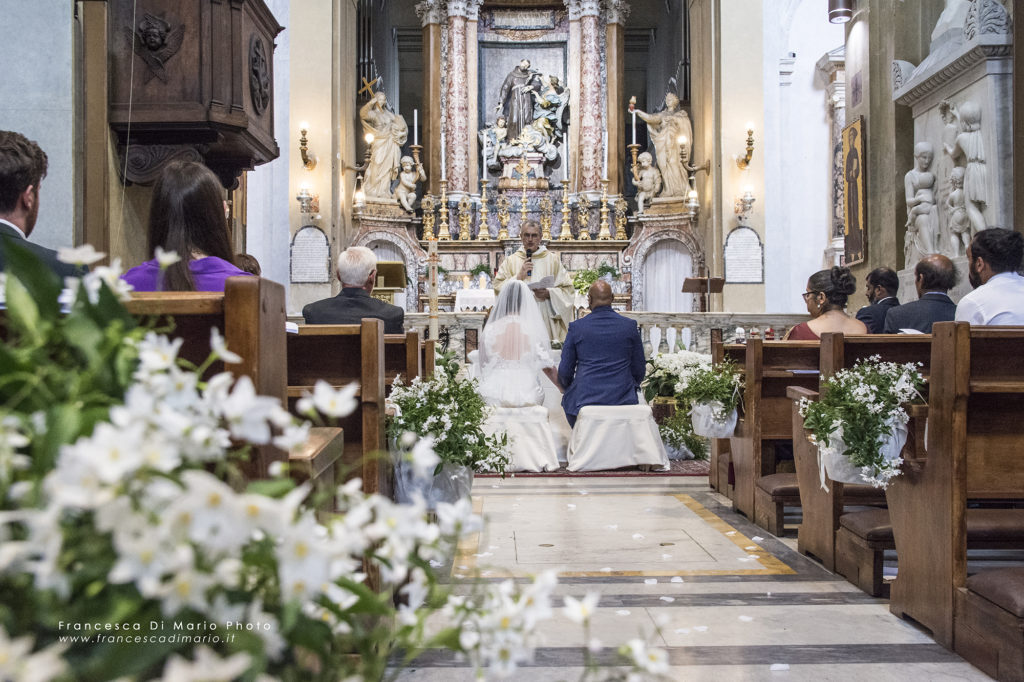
(515, 330)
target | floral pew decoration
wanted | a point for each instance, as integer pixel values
(715, 392)
(859, 423)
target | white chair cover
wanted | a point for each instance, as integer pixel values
(531, 441)
(612, 437)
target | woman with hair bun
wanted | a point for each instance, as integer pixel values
(827, 291)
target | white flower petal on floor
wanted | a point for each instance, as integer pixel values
(580, 610)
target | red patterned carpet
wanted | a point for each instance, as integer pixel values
(677, 467)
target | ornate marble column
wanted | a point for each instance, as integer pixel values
(615, 50)
(456, 119)
(592, 129)
(832, 67)
(430, 13)
(472, 15)
(573, 82)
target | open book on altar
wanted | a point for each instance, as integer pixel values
(544, 283)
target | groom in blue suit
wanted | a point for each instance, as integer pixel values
(602, 357)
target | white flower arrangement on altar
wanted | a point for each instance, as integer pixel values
(859, 423)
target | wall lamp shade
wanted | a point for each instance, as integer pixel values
(840, 11)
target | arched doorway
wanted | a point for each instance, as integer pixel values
(667, 264)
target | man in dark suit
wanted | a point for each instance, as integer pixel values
(602, 357)
(357, 270)
(882, 285)
(934, 275)
(22, 168)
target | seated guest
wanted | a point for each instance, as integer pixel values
(187, 216)
(882, 286)
(244, 261)
(357, 270)
(22, 168)
(602, 357)
(827, 291)
(994, 257)
(934, 275)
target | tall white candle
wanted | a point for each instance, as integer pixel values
(416, 125)
(483, 162)
(634, 126)
(442, 156)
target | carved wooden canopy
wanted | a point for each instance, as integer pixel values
(192, 81)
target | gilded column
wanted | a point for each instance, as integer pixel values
(456, 118)
(472, 15)
(592, 129)
(430, 13)
(617, 13)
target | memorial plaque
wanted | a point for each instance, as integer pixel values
(311, 256)
(744, 258)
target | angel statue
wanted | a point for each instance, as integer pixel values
(390, 132)
(493, 139)
(549, 108)
(408, 178)
(155, 42)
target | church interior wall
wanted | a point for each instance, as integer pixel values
(742, 96)
(883, 30)
(39, 103)
(797, 195)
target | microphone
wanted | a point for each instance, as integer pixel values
(529, 253)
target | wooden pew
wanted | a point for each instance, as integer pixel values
(720, 459)
(822, 509)
(974, 445)
(407, 355)
(341, 354)
(250, 313)
(770, 367)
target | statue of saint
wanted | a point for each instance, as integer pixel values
(922, 213)
(648, 181)
(389, 134)
(408, 177)
(968, 152)
(515, 99)
(550, 107)
(665, 129)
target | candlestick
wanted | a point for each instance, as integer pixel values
(620, 219)
(604, 234)
(483, 231)
(634, 150)
(503, 215)
(465, 217)
(445, 234)
(416, 123)
(545, 218)
(634, 126)
(415, 149)
(427, 204)
(583, 208)
(432, 262)
(565, 231)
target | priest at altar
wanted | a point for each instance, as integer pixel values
(556, 300)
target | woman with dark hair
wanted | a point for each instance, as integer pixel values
(187, 216)
(827, 291)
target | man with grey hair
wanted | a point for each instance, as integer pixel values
(357, 270)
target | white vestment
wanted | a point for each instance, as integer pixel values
(557, 310)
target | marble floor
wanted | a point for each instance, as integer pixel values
(725, 599)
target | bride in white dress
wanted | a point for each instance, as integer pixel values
(514, 351)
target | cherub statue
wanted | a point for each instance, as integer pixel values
(960, 232)
(408, 177)
(647, 179)
(496, 138)
(968, 152)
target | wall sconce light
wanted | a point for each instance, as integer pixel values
(840, 11)
(304, 198)
(744, 161)
(308, 160)
(359, 199)
(744, 204)
(692, 204)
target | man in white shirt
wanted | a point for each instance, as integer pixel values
(994, 259)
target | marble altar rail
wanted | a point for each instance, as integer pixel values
(463, 328)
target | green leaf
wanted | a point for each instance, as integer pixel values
(23, 317)
(42, 283)
(277, 487)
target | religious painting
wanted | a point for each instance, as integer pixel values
(854, 201)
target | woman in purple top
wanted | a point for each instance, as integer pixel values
(187, 217)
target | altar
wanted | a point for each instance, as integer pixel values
(519, 127)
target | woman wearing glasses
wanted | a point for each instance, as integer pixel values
(827, 291)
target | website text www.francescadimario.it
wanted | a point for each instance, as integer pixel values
(155, 632)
